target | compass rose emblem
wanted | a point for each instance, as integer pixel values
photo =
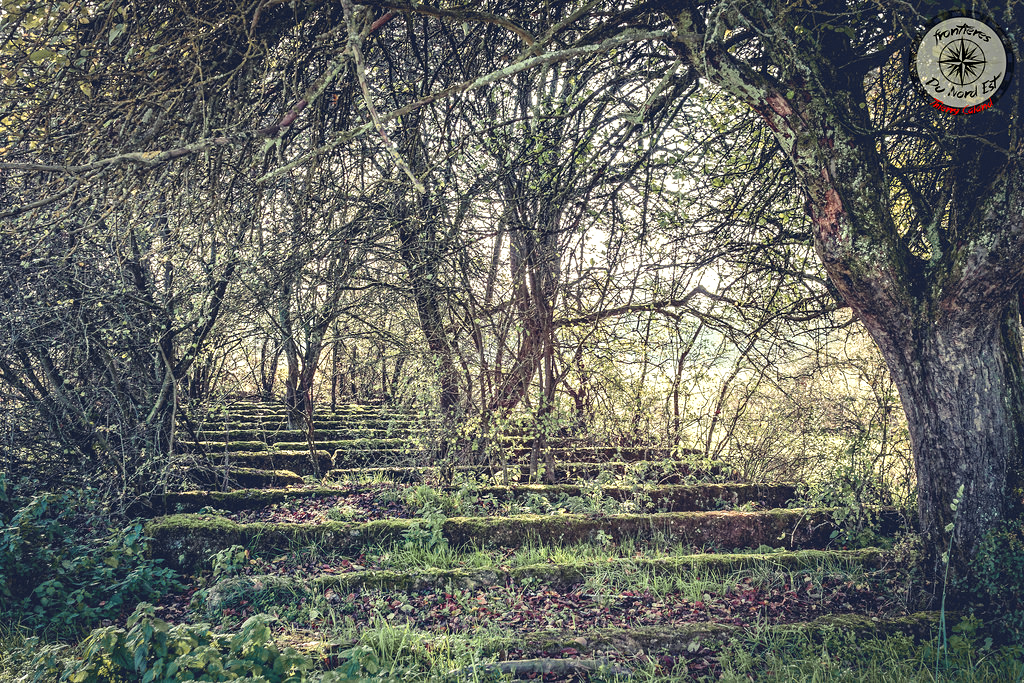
(963, 63)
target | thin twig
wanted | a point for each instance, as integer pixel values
(625, 38)
(355, 38)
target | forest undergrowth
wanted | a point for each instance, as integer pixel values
(85, 602)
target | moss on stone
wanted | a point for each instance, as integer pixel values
(807, 528)
(563, 576)
(682, 639)
(187, 542)
(919, 625)
(356, 444)
(244, 499)
(296, 462)
(247, 478)
(214, 447)
(671, 498)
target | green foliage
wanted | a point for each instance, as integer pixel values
(63, 568)
(841, 655)
(427, 532)
(998, 580)
(152, 651)
(229, 561)
(856, 492)
(357, 664)
(430, 507)
(459, 502)
(388, 652)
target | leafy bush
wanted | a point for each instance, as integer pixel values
(230, 561)
(62, 566)
(998, 581)
(857, 493)
(427, 533)
(153, 651)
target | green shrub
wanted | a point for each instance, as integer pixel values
(64, 568)
(998, 581)
(856, 492)
(153, 651)
(230, 561)
(427, 532)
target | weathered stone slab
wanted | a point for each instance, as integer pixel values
(670, 498)
(245, 478)
(187, 541)
(561, 577)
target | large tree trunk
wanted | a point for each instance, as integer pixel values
(963, 394)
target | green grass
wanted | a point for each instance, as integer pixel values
(771, 657)
(15, 654)
(388, 651)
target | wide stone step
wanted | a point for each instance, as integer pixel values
(299, 462)
(684, 639)
(594, 453)
(245, 415)
(668, 498)
(186, 541)
(262, 588)
(216, 447)
(245, 478)
(272, 436)
(282, 424)
(658, 473)
(344, 409)
(359, 444)
(579, 653)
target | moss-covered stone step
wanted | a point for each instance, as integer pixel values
(282, 424)
(353, 444)
(664, 472)
(593, 453)
(245, 478)
(299, 461)
(233, 501)
(405, 475)
(224, 446)
(362, 459)
(683, 639)
(676, 640)
(280, 409)
(249, 414)
(186, 541)
(277, 588)
(272, 437)
(668, 498)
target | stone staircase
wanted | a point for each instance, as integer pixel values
(251, 445)
(622, 520)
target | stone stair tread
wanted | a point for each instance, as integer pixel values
(273, 436)
(187, 540)
(561, 576)
(562, 469)
(683, 641)
(248, 477)
(247, 499)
